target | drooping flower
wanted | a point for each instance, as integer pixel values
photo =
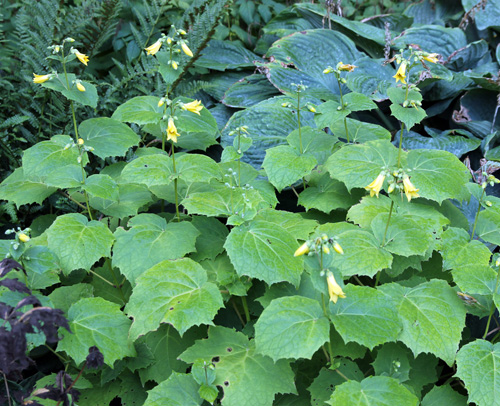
(338, 248)
(346, 67)
(303, 249)
(409, 188)
(40, 78)
(401, 73)
(376, 185)
(153, 49)
(80, 87)
(194, 107)
(431, 58)
(172, 133)
(186, 49)
(334, 289)
(81, 57)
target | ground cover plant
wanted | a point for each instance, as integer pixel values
(253, 203)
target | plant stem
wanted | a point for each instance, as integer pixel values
(388, 221)
(330, 352)
(342, 105)
(493, 307)
(7, 388)
(239, 158)
(245, 308)
(102, 277)
(400, 144)
(237, 312)
(73, 383)
(175, 185)
(477, 216)
(298, 120)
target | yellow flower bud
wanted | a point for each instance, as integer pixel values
(169, 40)
(311, 109)
(497, 262)
(80, 87)
(338, 249)
(153, 49)
(174, 65)
(186, 49)
(303, 249)
(40, 78)
(326, 250)
(328, 70)
(80, 141)
(161, 102)
(181, 31)
(23, 237)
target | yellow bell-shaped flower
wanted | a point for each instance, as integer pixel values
(334, 289)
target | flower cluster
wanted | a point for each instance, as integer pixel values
(400, 181)
(172, 42)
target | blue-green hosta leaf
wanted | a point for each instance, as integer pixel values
(248, 378)
(149, 241)
(372, 77)
(174, 292)
(249, 91)
(326, 194)
(16, 188)
(373, 391)
(367, 307)
(49, 158)
(139, 110)
(268, 125)
(434, 38)
(438, 175)
(359, 165)
(405, 235)
(477, 367)
(284, 165)
(264, 250)
(177, 390)
(108, 137)
(486, 16)
(311, 52)
(455, 144)
(432, 317)
(87, 98)
(95, 321)
(221, 55)
(78, 242)
(488, 225)
(359, 131)
(291, 327)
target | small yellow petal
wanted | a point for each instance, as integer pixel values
(376, 185)
(194, 106)
(81, 57)
(23, 237)
(401, 73)
(409, 188)
(334, 289)
(172, 133)
(153, 49)
(303, 249)
(40, 78)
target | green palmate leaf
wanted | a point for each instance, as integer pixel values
(210, 242)
(42, 268)
(87, 98)
(488, 225)
(77, 242)
(16, 188)
(221, 270)
(368, 208)
(291, 327)
(314, 142)
(443, 395)
(240, 369)
(362, 254)
(405, 236)
(359, 165)
(358, 102)
(64, 297)
(264, 250)
(102, 187)
(158, 169)
(139, 110)
(149, 241)
(49, 158)
(177, 390)
(95, 321)
(432, 317)
(409, 116)
(393, 360)
(367, 307)
(438, 175)
(327, 380)
(108, 137)
(330, 113)
(326, 194)
(174, 292)
(294, 223)
(161, 363)
(373, 391)
(477, 367)
(284, 165)
(360, 131)
(458, 251)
